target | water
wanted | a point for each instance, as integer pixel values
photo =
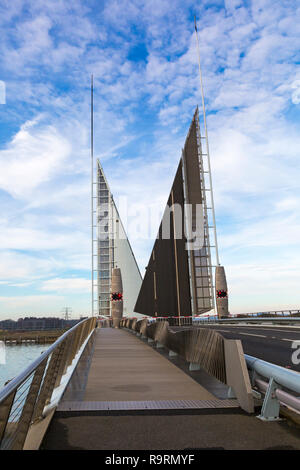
(17, 357)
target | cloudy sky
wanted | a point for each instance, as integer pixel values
(143, 57)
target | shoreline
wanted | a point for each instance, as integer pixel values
(37, 337)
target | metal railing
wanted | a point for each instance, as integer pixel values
(177, 321)
(24, 398)
(286, 316)
(272, 313)
(281, 388)
(278, 319)
(201, 348)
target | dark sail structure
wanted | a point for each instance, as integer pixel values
(178, 278)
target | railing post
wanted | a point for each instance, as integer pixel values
(71, 352)
(59, 362)
(83, 333)
(48, 383)
(62, 366)
(80, 336)
(27, 412)
(76, 341)
(5, 408)
(271, 405)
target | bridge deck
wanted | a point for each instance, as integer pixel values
(126, 370)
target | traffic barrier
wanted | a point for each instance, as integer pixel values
(277, 378)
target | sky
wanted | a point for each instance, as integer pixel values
(143, 56)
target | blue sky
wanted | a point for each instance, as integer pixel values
(143, 57)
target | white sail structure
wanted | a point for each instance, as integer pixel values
(113, 251)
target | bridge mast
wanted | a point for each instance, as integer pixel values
(221, 293)
(92, 190)
(207, 147)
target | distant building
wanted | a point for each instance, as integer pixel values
(34, 323)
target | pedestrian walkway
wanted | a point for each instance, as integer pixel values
(135, 398)
(124, 368)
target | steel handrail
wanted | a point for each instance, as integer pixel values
(278, 378)
(246, 319)
(47, 376)
(282, 387)
(289, 379)
(17, 381)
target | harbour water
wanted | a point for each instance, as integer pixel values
(16, 357)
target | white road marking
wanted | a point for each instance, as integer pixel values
(259, 336)
(268, 329)
(262, 327)
(251, 334)
(237, 332)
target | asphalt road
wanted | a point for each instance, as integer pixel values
(270, 343)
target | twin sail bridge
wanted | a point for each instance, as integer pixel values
(179, 278)
(147, 383)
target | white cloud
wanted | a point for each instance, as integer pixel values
(287, 204)
(278, 231)
(260, 287)
(31, 158)
(250, 80)
(232, 4)
(30, 302)
(296, 91)
(17, 266)
(67, 285)
(20, 238)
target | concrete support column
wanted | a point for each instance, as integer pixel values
(221, 292)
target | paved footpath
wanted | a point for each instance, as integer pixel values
(125, 370)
